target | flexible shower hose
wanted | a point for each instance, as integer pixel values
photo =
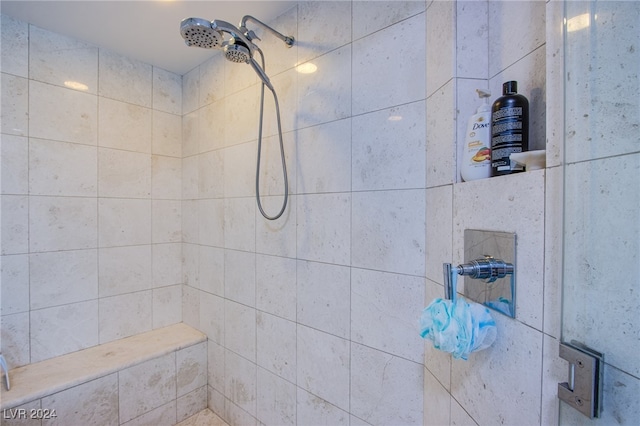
(284, 164)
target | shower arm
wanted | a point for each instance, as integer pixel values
(288, 40)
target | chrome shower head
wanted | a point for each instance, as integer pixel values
(200, 33)
(237, 51)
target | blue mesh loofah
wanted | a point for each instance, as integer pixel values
(458, 327)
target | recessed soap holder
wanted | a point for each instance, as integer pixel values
(489, 262)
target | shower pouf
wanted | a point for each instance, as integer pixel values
(458, 327)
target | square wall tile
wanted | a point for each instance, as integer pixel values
(385, 309)
(15, 47)
(91, 403)
(124, 126)
(323, 365)
(15, 105)
(276, 345)
(58, 113)
(211, 270)
(276, 286)
(62, 329)
(472, 39)
(389, 234)
(389, 148)
(211, 310)
(334, 77)
(311, 410)
(123, 222)
(324, 25)
(369, 17)
(522, 30)
(167, 306)
(124, 269)
(324, 237)
(15, 164)
(16, 344)
(389, 74)
(191, 368)
(320, 148)
(62, 60)
(278, 410)
(240, 383)
(166, 177)
(385, 389)
(62, 277)
(146, 386)
(15, 224)
(166, 134)
(15, 284)
(167, 91)
(211, 219)
(240, 223)
(166, 221)
(59, 168)
(324, 297)
(166, 264)
(277, 237)
(240, 329)
(123, 174)
(125, 315)
(62, 223)
(125, 79)
(240, 277)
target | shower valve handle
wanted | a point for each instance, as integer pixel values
(488, 269)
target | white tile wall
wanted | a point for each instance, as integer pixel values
(313, 317)
(90, 219)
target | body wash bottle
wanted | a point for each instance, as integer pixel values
(476, 154)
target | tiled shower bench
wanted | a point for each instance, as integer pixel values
(158, 377)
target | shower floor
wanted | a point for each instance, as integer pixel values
(205, 417)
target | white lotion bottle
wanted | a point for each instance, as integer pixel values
(476, 152)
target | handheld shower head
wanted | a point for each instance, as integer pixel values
(200, 33)
(236, 51)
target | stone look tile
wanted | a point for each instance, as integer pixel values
(276, 286)
(324, 298)
(389, 148)
(59, 60)
(125, 79)
(323, 366)
(59, 278)
(62, 223)
(62, 114)
(124, 126)
(322, 237)
(276, 345)
(389, 233)
(146, 386)
(94, 402)
(15, 47)
(15, 164)
(58, 168)
(15, 105)
(191, 365)
(240, 385)
(15, 284)
(62, 329)
(385, 389)
(405, 62)
(123, 222)
(384, 312)
(280, 410)
(320, 148)
(314, 410)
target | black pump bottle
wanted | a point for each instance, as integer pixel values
(509, 128)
